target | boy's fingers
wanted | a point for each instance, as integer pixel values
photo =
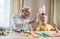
(54, 24)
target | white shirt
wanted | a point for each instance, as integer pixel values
(18, 22)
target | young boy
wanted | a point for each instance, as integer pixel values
(44, 26)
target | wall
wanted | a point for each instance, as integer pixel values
(58, 13)
(15, 7)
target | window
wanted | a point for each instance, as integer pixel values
(4, 13)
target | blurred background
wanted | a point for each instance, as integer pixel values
(10, 7)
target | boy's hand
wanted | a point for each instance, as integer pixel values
(55, 26)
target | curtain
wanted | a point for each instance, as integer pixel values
(15, 7)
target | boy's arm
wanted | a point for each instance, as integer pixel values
(55, 26)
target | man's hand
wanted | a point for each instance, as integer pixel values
(35, 20)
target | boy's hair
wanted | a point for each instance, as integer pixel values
(42, 14)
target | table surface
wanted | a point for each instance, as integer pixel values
(15, 35)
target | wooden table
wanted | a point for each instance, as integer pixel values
(15, 35)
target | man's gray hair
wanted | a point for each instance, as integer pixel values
(26, 8)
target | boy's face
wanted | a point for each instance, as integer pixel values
(44, 19)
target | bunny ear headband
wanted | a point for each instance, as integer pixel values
(42, 10)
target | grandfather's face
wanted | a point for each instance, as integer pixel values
(44, 19)
(26, 13)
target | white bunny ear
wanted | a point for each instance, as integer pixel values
(42, 9)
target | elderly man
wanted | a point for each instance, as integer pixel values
(22, 21)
